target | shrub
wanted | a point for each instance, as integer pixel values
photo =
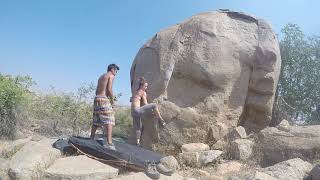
(13, 91)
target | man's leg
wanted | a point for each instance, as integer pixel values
(93, 131)
(109, 133)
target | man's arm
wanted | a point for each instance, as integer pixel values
(109, 88)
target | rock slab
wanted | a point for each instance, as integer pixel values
(32, 159)
(79, 167)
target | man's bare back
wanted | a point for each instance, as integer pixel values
(104, 87)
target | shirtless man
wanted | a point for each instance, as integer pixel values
(140, 107)
(103, 114)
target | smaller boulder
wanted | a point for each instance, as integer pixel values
(194, 147)
(170, 162)
(220, 145)
(188, 158)
(216, 133)
(237, 133)
(315, 172)
(199, 159)
(241, 149)
(228, 168)
(207, 157)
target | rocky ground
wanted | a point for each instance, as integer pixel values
(284, 152)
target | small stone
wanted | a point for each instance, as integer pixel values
(170, 162)
(194, 147)
(220, 145)
(189, 158)
(207, 157)
(217, 132)
(284, 126)
(241, 149)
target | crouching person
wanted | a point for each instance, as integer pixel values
(140, 107)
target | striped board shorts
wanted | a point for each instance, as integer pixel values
(102, 111)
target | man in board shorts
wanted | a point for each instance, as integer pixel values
(103, 114)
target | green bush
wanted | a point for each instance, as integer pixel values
(62, 111)
(123, 122)
(52, 113)
(13, 91)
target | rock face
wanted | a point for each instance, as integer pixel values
(216, 67)
(79, 167)
(32, 159)
(299, 142)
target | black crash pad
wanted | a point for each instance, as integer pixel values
(134, 156)
(64, 147)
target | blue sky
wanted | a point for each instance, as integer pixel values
(66, 43)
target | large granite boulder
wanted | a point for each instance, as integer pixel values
(79, 167)
(215, 67)
(274, 145)
(32, 159)
(293, 169)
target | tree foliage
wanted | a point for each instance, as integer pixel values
(13, 91)
(299, 82)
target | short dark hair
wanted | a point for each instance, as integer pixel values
(113, 66)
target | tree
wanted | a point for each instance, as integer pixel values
(299, 82)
